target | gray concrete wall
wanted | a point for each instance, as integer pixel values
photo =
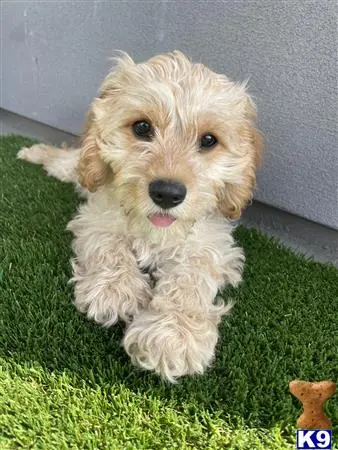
(54, 55)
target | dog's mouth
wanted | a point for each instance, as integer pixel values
(160, 220)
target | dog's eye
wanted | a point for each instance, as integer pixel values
(143, 129)
(208, 141)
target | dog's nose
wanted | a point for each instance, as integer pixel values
(167, 193)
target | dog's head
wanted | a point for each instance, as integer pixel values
(173, 141)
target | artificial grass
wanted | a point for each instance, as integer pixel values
(66, 383)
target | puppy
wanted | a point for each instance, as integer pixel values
(168, 159)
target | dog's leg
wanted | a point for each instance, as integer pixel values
(58, 163)
(178, 333)
(108, 283)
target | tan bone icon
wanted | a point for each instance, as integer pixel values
(313, 397)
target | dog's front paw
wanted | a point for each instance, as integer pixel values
(106, 299)
(106, 304)
(171, 344)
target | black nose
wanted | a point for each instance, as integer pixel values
(167, 193)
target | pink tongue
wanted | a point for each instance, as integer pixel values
(161, 220)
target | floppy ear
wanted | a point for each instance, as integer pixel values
(92, 171)
(235, 197)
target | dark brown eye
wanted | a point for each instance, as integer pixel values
(143, 129)
(208, 141)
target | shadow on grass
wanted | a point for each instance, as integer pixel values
(283, 326)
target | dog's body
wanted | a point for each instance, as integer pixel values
(152, 246)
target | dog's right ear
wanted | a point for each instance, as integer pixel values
(92, 171)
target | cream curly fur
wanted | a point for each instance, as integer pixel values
(162, 282)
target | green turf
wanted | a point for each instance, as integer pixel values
(66, 383)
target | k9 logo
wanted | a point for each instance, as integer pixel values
(314, 439)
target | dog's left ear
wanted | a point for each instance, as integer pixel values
(235, 197)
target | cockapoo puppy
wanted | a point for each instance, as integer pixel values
(168, 159)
